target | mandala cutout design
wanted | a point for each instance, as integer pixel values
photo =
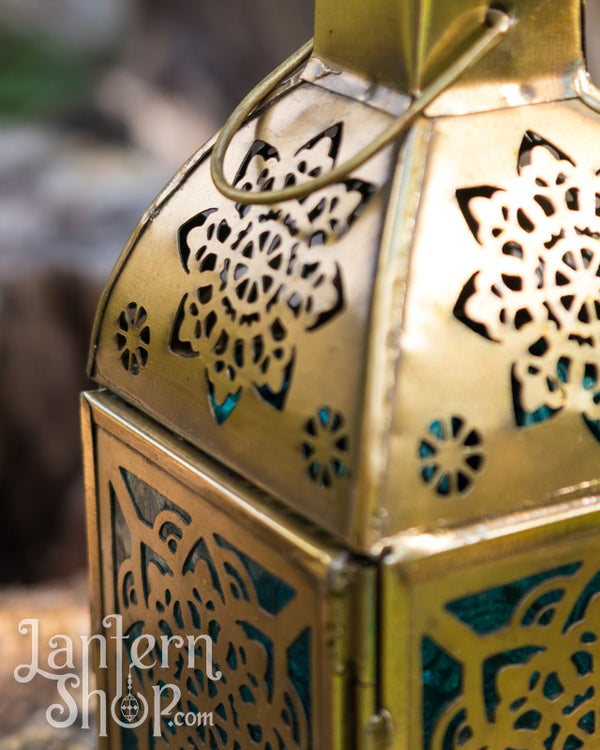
(175, 578)
(539, 290)
(517, 667)
(257, 273)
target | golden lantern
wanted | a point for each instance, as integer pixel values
(349, 425)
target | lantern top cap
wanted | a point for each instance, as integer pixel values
(407, 43)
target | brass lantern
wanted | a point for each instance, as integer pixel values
(349, 425)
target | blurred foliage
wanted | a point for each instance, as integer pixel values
(39, 78)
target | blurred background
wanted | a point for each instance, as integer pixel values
(100, 102)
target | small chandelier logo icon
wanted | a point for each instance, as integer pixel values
(130, 707)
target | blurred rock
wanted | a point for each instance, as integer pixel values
(213, 53)
(45, 323)
(68, 203)
(166, 126)
(69, 200)
(46, 738)
(60, 608)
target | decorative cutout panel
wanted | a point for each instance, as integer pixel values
(176, 577)
(258, 272)
(539, 287)
(517, 665)
(180, 555)
(133, 338)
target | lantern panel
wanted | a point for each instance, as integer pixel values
(182, 553)
(495, 634)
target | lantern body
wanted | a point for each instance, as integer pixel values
(353, 438)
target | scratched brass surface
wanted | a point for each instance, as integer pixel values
(179, 547)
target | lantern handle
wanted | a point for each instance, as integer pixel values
(498, 22)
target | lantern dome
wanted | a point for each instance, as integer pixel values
(412, 346)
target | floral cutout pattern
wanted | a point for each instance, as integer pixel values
(259, 272)
(451, 455)
(325, 447)
(133, 338)
(175, 578)
(539, 290)
(516, 666)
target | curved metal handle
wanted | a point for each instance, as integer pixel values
(497, 24)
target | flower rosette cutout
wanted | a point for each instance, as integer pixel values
(133, 338)
(325, 447)
(539, 290)
(451, 455)
(258, 273)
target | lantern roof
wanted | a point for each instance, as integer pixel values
(411, 347)
(407, 43)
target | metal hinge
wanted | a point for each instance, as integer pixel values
(379, 733)
(375, 729)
